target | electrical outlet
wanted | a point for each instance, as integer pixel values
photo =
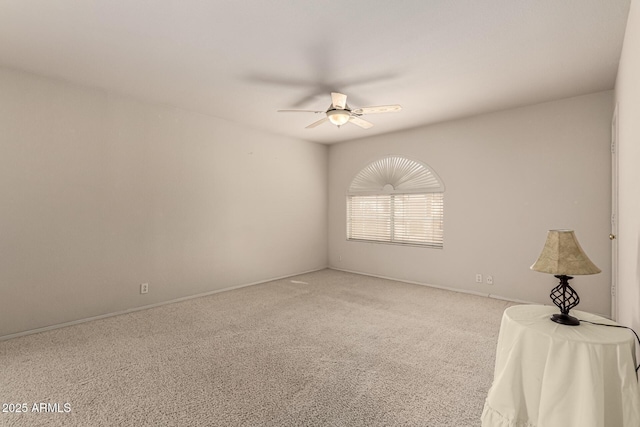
(478, 278)
(489, 280)
(144, 288)
(339, 257)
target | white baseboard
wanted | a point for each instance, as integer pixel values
(446, 288)
(146, 307)
(462, 291)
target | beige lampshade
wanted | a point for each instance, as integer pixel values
(563, 255)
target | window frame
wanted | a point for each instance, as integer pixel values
(385, 182)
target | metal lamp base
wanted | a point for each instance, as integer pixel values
(565, 319)
(565, 298)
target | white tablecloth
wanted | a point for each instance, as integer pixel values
(552, 375)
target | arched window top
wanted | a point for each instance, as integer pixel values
(396, 174)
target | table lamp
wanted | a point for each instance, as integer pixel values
(563, 256)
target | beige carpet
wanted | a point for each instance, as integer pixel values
(338, 350)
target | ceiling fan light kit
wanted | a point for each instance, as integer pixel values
(339, 112)
(338, 117)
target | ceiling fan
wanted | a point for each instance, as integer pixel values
(340, 113)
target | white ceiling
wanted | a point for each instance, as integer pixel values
(244, 59)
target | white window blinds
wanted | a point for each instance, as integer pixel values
(369, 218)
(412, 215)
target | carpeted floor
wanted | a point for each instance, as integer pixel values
(338, 349)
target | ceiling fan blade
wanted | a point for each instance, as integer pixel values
(379, 109)
(338, 100)
(300, 111)
(360, 122)
(318, 123)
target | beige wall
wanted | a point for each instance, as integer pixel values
(509, 176)
(101, 193)
(628, 100)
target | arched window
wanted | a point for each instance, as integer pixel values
(396, 200)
